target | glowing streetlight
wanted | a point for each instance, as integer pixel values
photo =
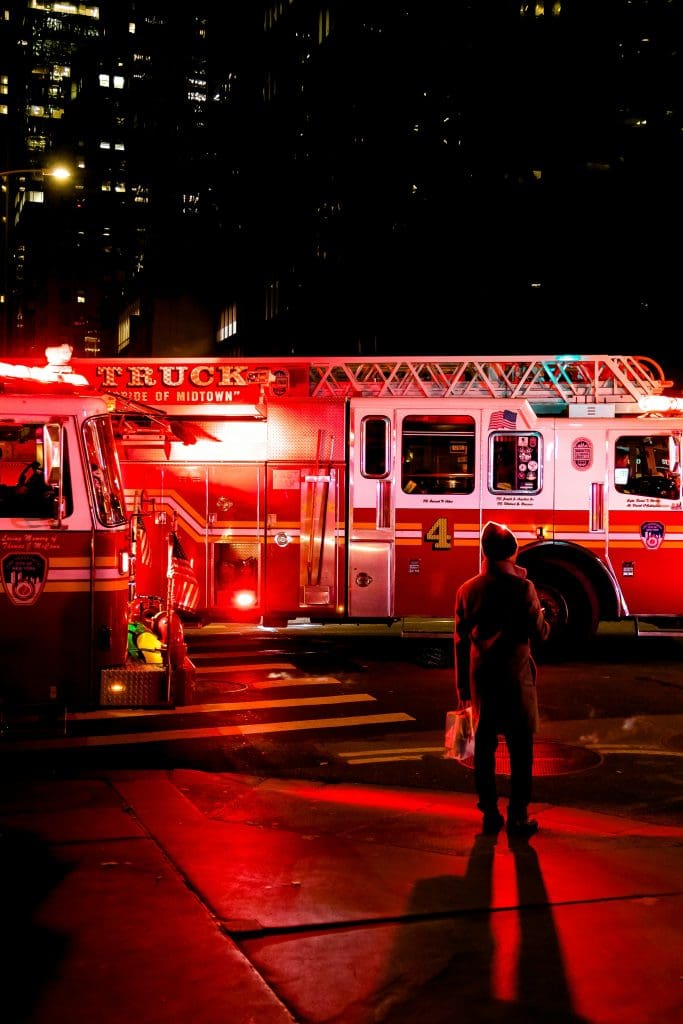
(58, 172)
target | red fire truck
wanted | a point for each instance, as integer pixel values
(340, 490)
(65, 551)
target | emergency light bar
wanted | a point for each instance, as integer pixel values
(660, 403)
(57, 371)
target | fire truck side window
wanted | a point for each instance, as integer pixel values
(28, 474)
(375, 436)
(437, 455)
(104, 471)
(648, 465)
(515, 462)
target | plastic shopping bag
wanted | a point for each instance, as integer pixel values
(459, 741)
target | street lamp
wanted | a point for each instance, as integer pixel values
(59, 173)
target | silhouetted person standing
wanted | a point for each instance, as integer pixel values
(497, 616)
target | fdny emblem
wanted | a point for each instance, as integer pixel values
(652, 535)
(23, 577)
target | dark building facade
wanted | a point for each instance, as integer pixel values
(347, 177)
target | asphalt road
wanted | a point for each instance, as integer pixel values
(347, 706)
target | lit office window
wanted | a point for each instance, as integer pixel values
(104, 81)
(323, 24)
(227, 327)
(123, 340)
(272, 300)
(119, 82)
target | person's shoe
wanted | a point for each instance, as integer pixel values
(522, 828)
(492, 823)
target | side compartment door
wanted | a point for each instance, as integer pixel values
(305, 549)
(438, 506)
(645, 540)
(415, 513)
(371, 516)
(235, 539)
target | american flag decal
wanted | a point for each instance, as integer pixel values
(503, 420)
(142, 545)
(184, 581)
(142, 540)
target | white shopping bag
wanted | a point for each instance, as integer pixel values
(459, 741)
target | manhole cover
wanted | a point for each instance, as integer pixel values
(549, 759)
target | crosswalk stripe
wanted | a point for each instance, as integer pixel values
(243, 666)
(242, 705)
(379, 755)
(273, 684)
(211, 732)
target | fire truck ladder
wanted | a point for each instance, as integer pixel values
(545, 381)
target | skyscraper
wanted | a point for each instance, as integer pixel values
(369, 177)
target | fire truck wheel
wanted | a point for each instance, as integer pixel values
(570, 605)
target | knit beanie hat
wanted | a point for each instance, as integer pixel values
(497, 542)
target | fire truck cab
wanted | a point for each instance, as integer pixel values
(65, 547)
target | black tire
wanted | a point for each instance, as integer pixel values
(571, 606)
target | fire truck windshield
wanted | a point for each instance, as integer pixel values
(104, 471)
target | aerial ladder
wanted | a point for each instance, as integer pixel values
(549, 383)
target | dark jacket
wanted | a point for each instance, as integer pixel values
(497, 616)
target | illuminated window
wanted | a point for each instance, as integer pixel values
(227, 327)
(515, 463)
(4, 85)
(119, 81)
(323, 24)
(104, 81)
(648, 466)
(437, 455)
(190, 203)
(80, 298)
(105, 145)
(63, 7)
(272, 300)
(375, 446)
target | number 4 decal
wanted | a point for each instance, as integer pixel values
(438, 535)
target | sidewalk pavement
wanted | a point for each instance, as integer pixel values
(183, 897)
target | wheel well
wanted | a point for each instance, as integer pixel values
(588, 571)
